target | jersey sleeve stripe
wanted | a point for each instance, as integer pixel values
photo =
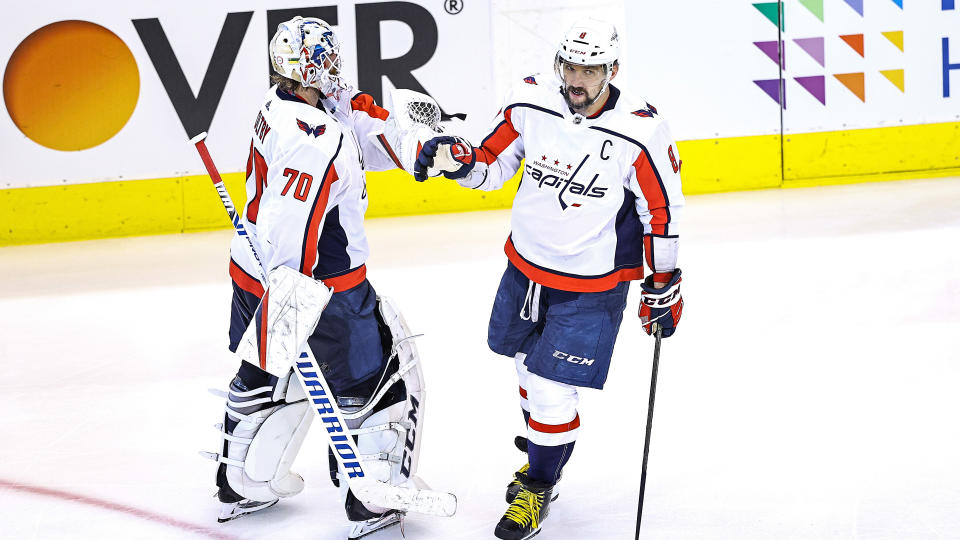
(499, 140)
(244, 280)
(386, 146)
(653, 192)
(365, 103)
(653, 168)
(311, 236)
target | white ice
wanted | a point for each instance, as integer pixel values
(811, 392)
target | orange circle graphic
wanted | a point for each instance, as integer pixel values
(71, 85)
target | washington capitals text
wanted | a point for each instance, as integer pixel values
(566, 185)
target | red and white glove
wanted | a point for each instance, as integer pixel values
(661, 307)
(453, 156)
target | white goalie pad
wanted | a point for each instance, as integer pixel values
(414, 119)
(389, 439)
(271, 424)
(293, 303)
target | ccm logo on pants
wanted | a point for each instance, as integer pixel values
(573, 359)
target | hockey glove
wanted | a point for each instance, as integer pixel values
(661, 307)
(453, 156)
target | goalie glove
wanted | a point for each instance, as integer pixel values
(661, 307)
(453, 156)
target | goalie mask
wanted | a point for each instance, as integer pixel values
(594, 45)
(307, 51)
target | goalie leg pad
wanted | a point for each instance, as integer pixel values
(264, 427)
(389, 424)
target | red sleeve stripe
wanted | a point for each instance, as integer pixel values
(554, 428)
(245, 281)
(653, 192)
(389, 150)
(523, 393)
(365, 103)
(570, 283)
(309, 258)
(499, 140)
(263, 330)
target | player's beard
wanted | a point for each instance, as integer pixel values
(584, 100)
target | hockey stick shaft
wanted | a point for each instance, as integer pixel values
(325, 405)
(646, 441)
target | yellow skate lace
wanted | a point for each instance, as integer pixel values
(525, 509)
(523, 469)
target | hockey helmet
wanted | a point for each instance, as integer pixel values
(589, 43)
(307, 51)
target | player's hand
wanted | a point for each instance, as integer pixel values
(661, 306)
(453, 156)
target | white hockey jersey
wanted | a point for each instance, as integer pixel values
(306, 189)
(598, 195)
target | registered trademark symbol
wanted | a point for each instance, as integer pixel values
(453, 6)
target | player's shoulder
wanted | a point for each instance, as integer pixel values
(299, 122)
(636, 117)
(538, 89)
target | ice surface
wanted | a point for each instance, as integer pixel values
(811, 391)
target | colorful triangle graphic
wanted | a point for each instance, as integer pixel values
(895, 37)
(857, 5)
(899, 3)
(816, 85)
(855, 41)
(769, 48)
(771, 10)
(815, 7)
(772, 88)
(813, 47)
(895, 76)
(854, 83)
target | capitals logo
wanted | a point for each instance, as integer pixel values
(530, 80)
(649, 112)
(545, 175)
(310, 130)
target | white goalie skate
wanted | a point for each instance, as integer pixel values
(230, 511)
(361, 529)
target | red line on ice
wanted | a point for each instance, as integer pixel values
(115, 507)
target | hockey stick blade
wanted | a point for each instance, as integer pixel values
(421, 501)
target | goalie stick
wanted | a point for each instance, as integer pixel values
(366, 489)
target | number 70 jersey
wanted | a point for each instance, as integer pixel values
(306, 195)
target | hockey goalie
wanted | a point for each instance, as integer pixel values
(312, 139)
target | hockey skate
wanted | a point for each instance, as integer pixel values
(233, 510)
(361, 529)
(515, 485)
(526, 513)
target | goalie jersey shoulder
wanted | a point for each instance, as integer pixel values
(296, 123)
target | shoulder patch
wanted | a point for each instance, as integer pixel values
(268, 104)
(311, 130)
(649, 112)
(530, 80)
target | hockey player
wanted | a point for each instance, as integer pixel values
(306, 198)
(600, 193)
